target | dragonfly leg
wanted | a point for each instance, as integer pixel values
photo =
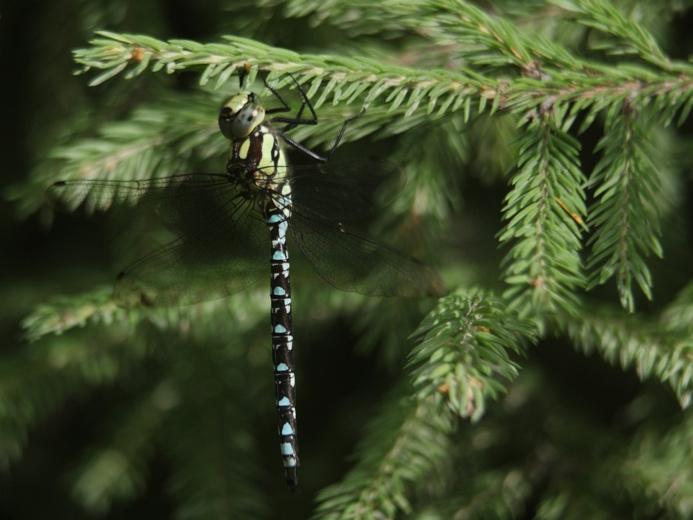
(342, 130)
(310, 153)
(285, 106)
(293, 122)
(304, 149)
(242, 73)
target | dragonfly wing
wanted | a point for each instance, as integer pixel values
(339, 190)
(225, 258)
(221, 238)
(330, 202)
(357, 263)
(102, 194)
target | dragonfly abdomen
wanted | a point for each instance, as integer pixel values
(282, 340)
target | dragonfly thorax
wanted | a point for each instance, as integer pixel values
(258, 161)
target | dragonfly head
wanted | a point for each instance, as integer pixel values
(240, 115)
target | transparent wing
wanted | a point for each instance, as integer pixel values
(101, 194)
(354, 262)
(332, 205)
(341, 191)
(225, 253)
(222, 243)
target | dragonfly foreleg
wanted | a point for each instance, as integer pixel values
(285, 106)
(298, 119)
(310, 153)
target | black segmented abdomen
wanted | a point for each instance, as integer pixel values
(282, 341)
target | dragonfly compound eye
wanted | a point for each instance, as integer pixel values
(240, 115)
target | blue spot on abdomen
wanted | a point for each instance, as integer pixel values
(287, 448)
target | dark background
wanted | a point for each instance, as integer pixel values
(42, 100)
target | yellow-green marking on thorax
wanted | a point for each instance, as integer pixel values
(256, 144)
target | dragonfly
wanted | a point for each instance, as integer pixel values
(222, 220)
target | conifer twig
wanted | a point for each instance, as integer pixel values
(626, 211)
(346, 80)
(117, 471)
(658, 467)
(464, 355)
(543, 267)
(98, 307)
(404, 447)
(632, 38)
(653, 348)
(113, 53)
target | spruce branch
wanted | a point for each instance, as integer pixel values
(573, 92)
(346, 80)
(632, 38)
(404, 446)
(471, 34)
(655, 349)
(157, 140)
(659, 466)
(377, 121)
(165, 138)
(426, 187)
(66, 367)
(678, 316)
(98, 307)
(482, 39)
(117, 469)
(544, 218)
(207, 435)
(496, 493)
(464, 351)
(360, 17)
(466, 31)
(626, 212)
(500, 42)
(343, 79)
(65, 313)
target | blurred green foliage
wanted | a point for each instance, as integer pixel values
(553, 381)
